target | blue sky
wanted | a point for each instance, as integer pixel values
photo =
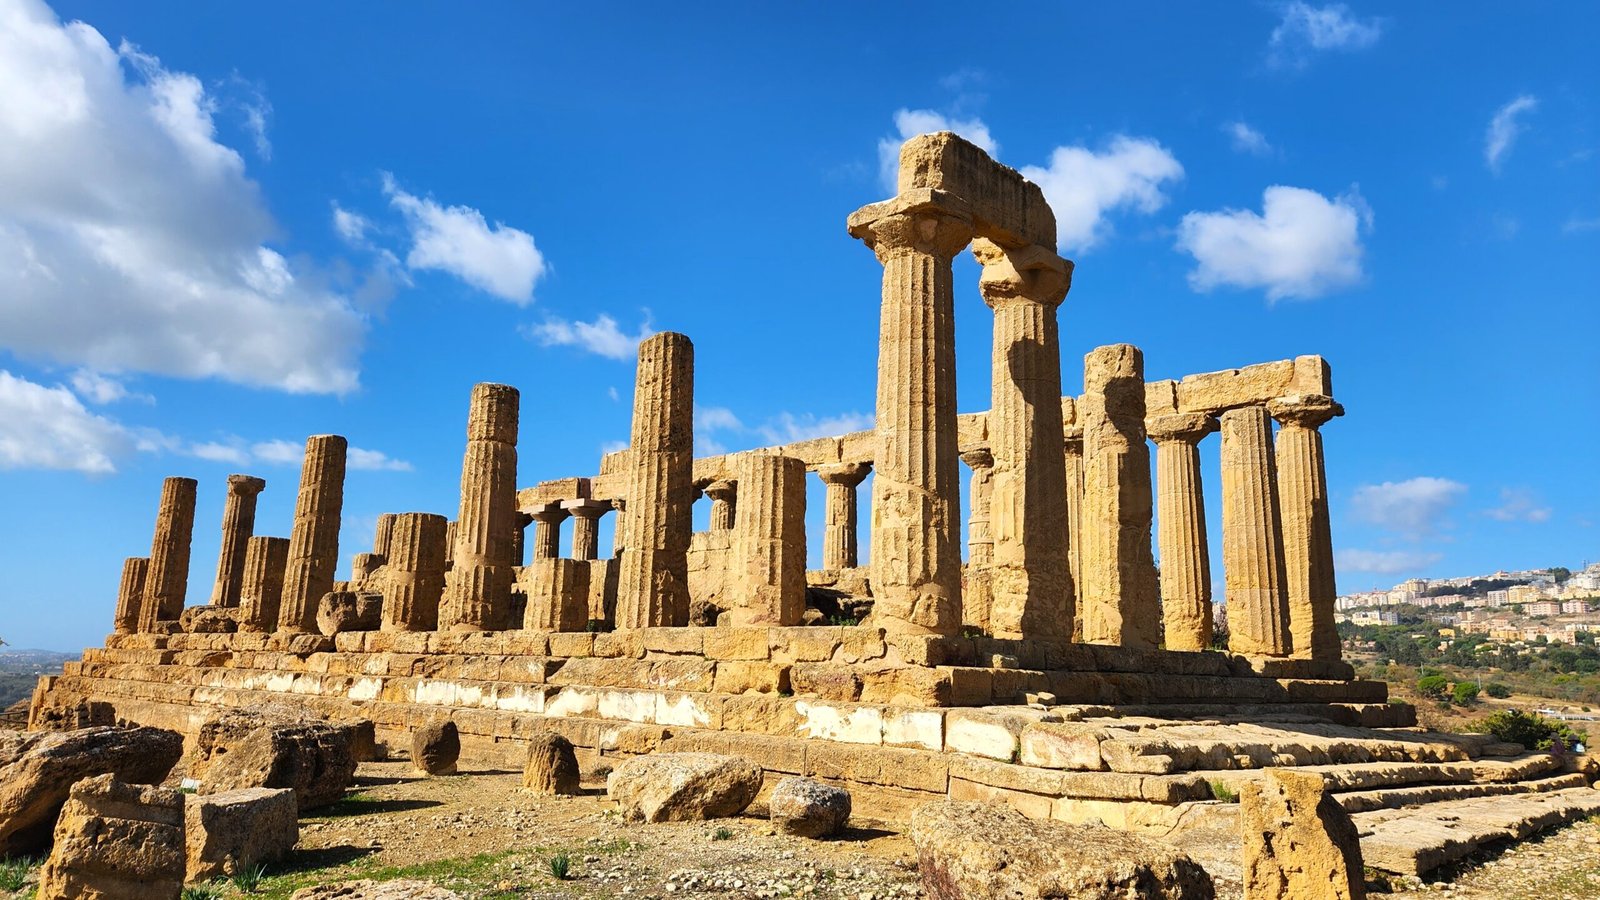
(225, 227)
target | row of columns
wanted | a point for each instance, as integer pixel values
(840, 515)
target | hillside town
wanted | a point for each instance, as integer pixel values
(1550, 606)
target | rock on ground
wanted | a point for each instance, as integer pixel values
(682, 787)
(255, 749)
(808, 808)
(116, 841)
(1299, 844)
(977, 851)
(435, 747)
(367, 889)
(234, 831)
(38, 770)
(552, 765)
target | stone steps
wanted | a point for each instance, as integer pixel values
(1419, 795)
(1357, 778)
(1418, 840)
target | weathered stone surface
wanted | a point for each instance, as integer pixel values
(840, 549)
(1185, 561)
(477, 591)
(769, 542)
(680, 787)
(808, 808)
(231, 832)
(1252, 539)
(209, 620)
(275, 748)
(314, 540)
(238, 523)
(342, 611)
(1307, 534)
(435, 747)
(167, 576)
(130, 594)
(116, 841)
(37, 769)
(261, 590)
(414, 574)
(367, 889)
(977, 851)
(653, 581)
(1298, 843)
(552, 765)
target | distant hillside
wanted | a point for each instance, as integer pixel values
(20, 669)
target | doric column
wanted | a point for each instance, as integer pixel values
(1072, 456)
(519, 537)
(724, 503)
(769, 542)
(653, 582)
(916, 494)
(547, 530)
(1120, 598)
(619, 527)
(130, 593)
(415, 580)
(976, 597)
(1307, 537)
(238, 523)
(1181, 512)
(261, 589)
(840, 549)
(167, 576)
(586, 526)
(383, 535)
(477, 593)
(314, 541)
(1252, 548)
(1031, 575)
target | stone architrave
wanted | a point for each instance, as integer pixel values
(238, 523)
(547, 530)
(840, 548)
(1072, 456)
(1181, 512)
(477, 591)
(261, 588)
(916, 494)
(976, 597)
(383, 535)
(653, 581)
(769, 542)
(1307, 535)
(130, 594)
(724, 496)
(314, 541)
(167, 576)
(1252, 540)
(414, 581)
(1031, 575)
(586, 526)
(1119, 596)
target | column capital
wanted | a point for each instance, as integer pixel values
(246, 485)
(925, 220)
(1186, 427)
(586, 509)
(722, 489)
(1304, 410)
(1031, 274)
(550, 513)
(847, 474)
(978, 458)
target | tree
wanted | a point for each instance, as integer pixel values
(1497, 690)
(1560, 574)
(1434, 687)
(1465, 693)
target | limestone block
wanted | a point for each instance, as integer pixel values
(234, 831)
(769, 568)
(1006, 207)
(1062, 745)
(1215, 392)
(736, 643)
(276, 747)
(345, 611)
(167, 576)
(1299, 844)
(368, 889)
(209, 620)
(477, 593)
(130, 593)
(680, 787)
(808, 808)
(552, 766)
(995, 732)
(558, 598)
(261, 589)
(116, 841)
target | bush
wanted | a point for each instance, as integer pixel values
(1435, 687)
(1531, 730)
(1497, 690)
(1465, 693)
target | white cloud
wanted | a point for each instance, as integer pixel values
(496, 259)
(215, 451)
(612, 393)
(716, 418)
(1503, 130)
(1384, 562)
(290, 453)
(1415, 507)
(130, 238)
(1305, 28)
(278, 451)
(1247, 139)
(1301, 244)
(374, 461)
(1519, 505)
(614, 446)
(601, 337)
(98, 387)
(351, 226)
(787, 428)
(912, 122)
(49, 428)
(1084, 185)
(1576, 225)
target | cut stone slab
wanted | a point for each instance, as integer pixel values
(552, 765)
(1417, 841)
(248, 749)
(116, 841)
(1298, 843)
(234, 831)
(683, 787)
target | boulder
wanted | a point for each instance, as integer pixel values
(552, 765)
(683, 787)
(116, 841)
(234, 831)
(341, 611)
(367, 889)
(435, 747)
(808, 808)
(269, 748)
(209, 620)
(38, 770)
(977, 851)
(1299, 843)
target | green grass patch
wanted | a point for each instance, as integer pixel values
(560, 867)
(480, 870)
(14, 872)
(1221, 791)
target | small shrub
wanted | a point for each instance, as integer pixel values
(722, 834)
(1497, 690)
(842, 619)
(1532, 730)
(250, 879)
(1434, 687)
(561, 867)
(202, 892)
(14, 872)
(1465, 693)
(1221, 791)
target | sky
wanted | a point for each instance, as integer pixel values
(224, 227)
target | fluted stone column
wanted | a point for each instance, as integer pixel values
(414, 583)
(619, 530)
(238, 523)
(519, 537)
(653, 581)
(449, 545)
(1252, 548)
(167, 575)
(916, 494)
(976, 597)
(1031, 576)
(261, 589)
(130, 594)
(1120, 598)
(477, 593)
(586, 526)
(840, 549)
(1072, 456)
(769, 542)
(724, 496)
(1181, 512)
(383, 535)
(1307, 536)
(314, 540)
(547, 530)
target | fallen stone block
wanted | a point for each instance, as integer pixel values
(435, 747)
(552, 765)
(234, 831)
(116, 841)
(683, 787)
(808, 808)
(343, 611)
(253, 749)
(1299, 844)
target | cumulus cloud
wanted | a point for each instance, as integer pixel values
(49, 428)
(1301, 245)
(912, 122)
(1247, 139)
(100, 388)
(1504, 128)
(496, 259)
(1519, 505)
(1084, 186)
(1305, 29)
(374, 461)
(602, 337)
(351, 226)
(130, 238)
(1384, 562)
(1415, 508)
(716, 418)
(787, 428)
